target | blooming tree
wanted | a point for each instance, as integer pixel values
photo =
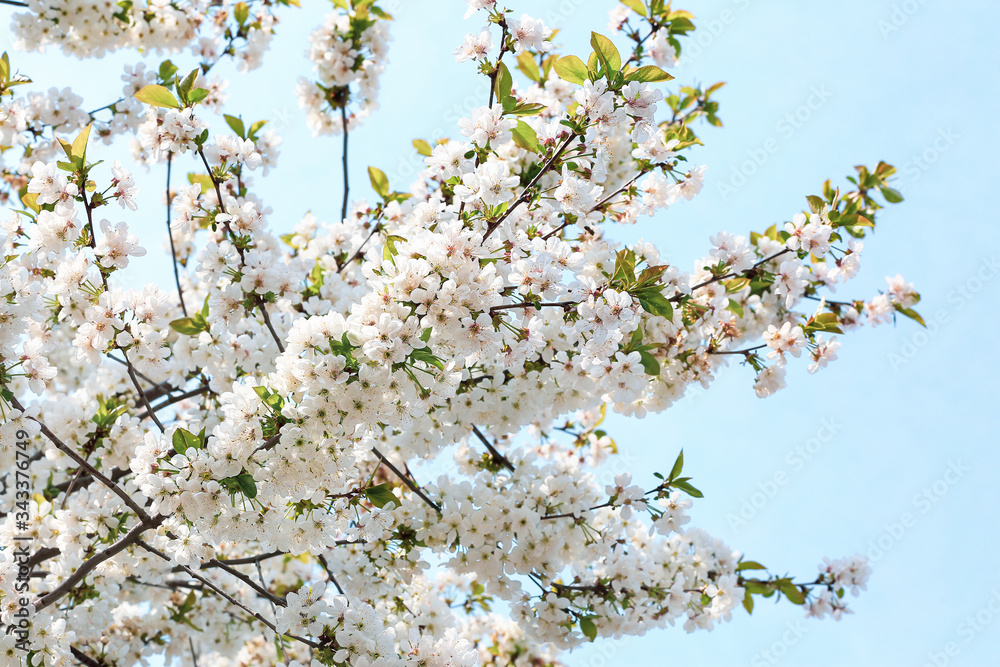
(376, 440)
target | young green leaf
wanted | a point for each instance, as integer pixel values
(526, 63)
(379, 181)
(607, 52)
(381, 495)
(525, 137)
(648, 74)
(572, 69)
(422, 147)
(157, 96)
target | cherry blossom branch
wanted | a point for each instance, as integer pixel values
(142, 394)
(201, 389)
(748, 351)
(329, 573)
(525, 194)
(222, 207)
(497, 456)
(94, 472)
(80, 656)
(170, 234)
(13, 3)
(230, 599)
(749, 272)
(566, 305)
(263, 592)
(343, 161)
(88, 565)
(360, 251)
(496, 68)
(216, 562)
(406, 480)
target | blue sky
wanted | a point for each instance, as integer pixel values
(890, 450)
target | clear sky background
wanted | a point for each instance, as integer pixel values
(853, 459)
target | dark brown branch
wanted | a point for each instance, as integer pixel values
(497, 456)
(88, 565)
(170, 235)
(97, 474)
(175, 399)
(228, 598)
(566, 305)
(406, 480)
(343, 161)
(526, 193)
(749, 272)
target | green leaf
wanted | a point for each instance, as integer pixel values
(526, 109)
(636, 6)
(423, 147)
(255, 128)
(607, 52)
(688, 489)
(236, 125)
(891, 195)
(157, 96)
(381, 495)
(187, 326)
(167, 70)
(197, 95)
(183, 440)
(649, 363)
(912, 314)
(652, 301)
(184, 87)
(648, 74)
(526, 63)
(502, 83)
(748, 602)
(624, 267)
(588, 628)
(678, 466)
(572, 69)
(735, 308)
(379, 181)
(247, 485)
(241, 12)
(791, 591)
(425, 355)
(79, 149)
(525, 137)
(749, 565)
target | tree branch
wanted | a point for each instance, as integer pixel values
(406, 480)
(80, 461)
(170, 235)
(497, 456)
(88, 565)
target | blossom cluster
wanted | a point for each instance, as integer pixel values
(378, 440)
(349, 53)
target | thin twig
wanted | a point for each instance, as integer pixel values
(497, 456)
(343, 159)
(326, 567)
(142, 394)
(749, 272)
(525, 194)
(226, 596)
(97, 474)
(88, 565)
(175, 399)
(406, 480)
(170, 234)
